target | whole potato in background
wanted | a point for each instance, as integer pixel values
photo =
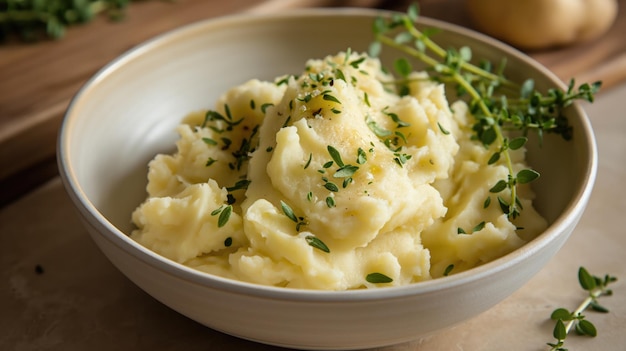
(540, 24)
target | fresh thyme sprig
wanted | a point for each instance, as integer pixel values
(31, 20)
(497, 103)
(566, 320)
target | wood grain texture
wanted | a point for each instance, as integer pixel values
(38, 81)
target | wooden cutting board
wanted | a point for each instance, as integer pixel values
(38, 80)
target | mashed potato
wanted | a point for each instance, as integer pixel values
(330, 180)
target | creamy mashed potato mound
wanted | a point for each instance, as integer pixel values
(330, 180)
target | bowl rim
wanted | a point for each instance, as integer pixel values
(115, 236)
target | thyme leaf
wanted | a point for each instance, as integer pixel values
(288, 211)
(239, 185)
(448, 270)
(346, 171)
(329, 97)
(300, 221)
(335, 155)
(316, 243)
(224, 216)
(331, 187)
(378, 278)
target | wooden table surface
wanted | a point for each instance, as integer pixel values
(58, 292)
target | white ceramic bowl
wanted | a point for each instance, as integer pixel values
(127, 113)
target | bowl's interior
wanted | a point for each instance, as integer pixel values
(128, 112)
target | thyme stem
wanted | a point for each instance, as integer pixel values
(459, 79)
(439, 51)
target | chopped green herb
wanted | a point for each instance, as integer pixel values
(376, 129)
(378, 278)
(265, 106)
(330, 201)
(247, 146)
(339, 74)
(224, 216)
(346, 182)
(479, 227)
(284, 80)
(239, 185)
(335, 155)
(357, 62)
(487, 202)
(401, 159)
(288, 211)
(331, 186)
(308, 162)
(210, 161)
(300, 221)
(394, 117)
(227, 142)
(442, 129)
(306, 98)
(448, 270)
(361, 157)
(329, 97)
(317, 243)
(209, 141)
(346, 171)
(287, 120)
(217, 211)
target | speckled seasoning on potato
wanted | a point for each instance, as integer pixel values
(330, 180)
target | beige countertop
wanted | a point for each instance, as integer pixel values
(59, 292)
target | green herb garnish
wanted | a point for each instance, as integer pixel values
(378, 278)
(566, 320)
(224, 212)
(335, 155)
(228, 242)
(497, 104)
(448, 270)
(317, 243)
(330, 201)
(300, 221)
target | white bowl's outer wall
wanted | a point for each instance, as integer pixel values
(127, 113)
(312, 321)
